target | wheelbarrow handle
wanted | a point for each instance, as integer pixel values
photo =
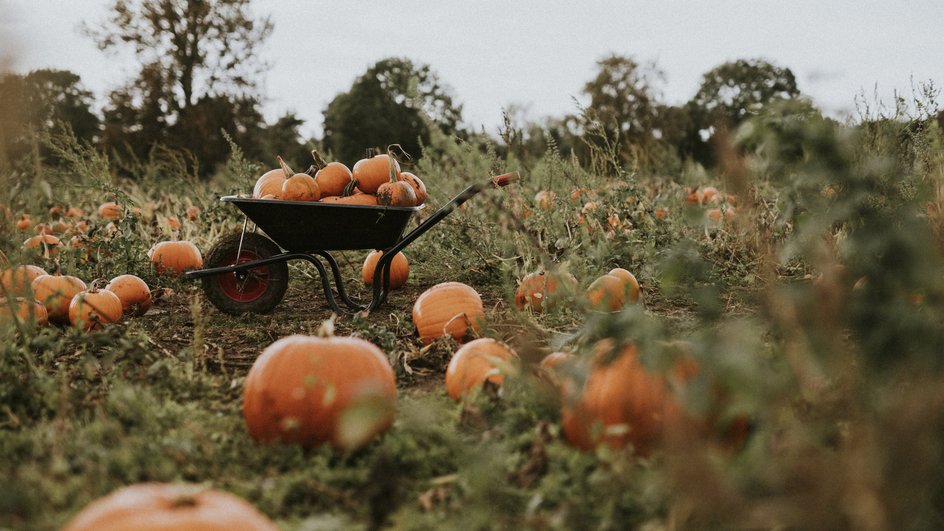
(505, 179)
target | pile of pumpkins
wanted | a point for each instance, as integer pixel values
(374, 181)
(722, 205)
(29, 294)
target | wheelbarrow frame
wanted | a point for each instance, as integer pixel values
(381, 281)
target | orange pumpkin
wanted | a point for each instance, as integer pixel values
(373, 172)
(56, 293)
(25, 222)
(475, 363)
(17, 281)
(399, 269)
(550, 369)
(192, 213)
(419, 188)
(607, 293)
(450, 308)
(396, 192)
(25, 310)
(175, 257)
(133, 292)
(630, 284)
(331, 177)
(167, 507)
(620, 403)
(312, 390)
(110, 210)
(270, 184)
(537, 290)
(300, 187)
(47, 244)
(545, 199)
(94, 308)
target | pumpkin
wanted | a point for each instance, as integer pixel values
(74, 212)
(537, 290)
(47, 244)
(396, 192)
(270, 184)
(300, 187)
(709, 194)
(94, 308)
(24, 222)
(168, 507)
(17, 281)
(353, 196)
(331, 177)
(630, 284)
(607, 293)
(175, 257)
(192, 212)
(373, 172)
(56, 293)
(662, 214)
(25, 310)
(545, 199)
(475, 363)
(311, 390)
(449, 308)
(419, 188)
(620, 403)
(110, 210)
(133, 292)
(399, 269)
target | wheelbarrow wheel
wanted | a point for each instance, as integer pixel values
(256, 290)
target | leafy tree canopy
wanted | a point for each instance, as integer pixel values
(394, 102)
(735, 90)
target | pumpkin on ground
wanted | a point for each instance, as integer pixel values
(175, 257)
(630, 284)
(537, 290)
(110, 210)
(25, 310)
(475, 363)
(16, 281)
(56, 292)
(167, 507)
(607, 293)
(545, 199)
(551, 368)
(94, 308)
(449, 308)
(46, 244)
(620, 403)
(399, 269)
(311, 390)
(133, 292)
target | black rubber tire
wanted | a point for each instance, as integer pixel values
(219, 288)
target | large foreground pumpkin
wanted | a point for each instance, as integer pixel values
(169, 507)
(620, 403)
(475, 363)
(312, 390)
(448, 308)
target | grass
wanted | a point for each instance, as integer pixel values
(839, 377)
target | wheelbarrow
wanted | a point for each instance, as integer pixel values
(247, 272)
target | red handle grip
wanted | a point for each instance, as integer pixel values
(505, 179)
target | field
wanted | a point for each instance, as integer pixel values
(810, 306)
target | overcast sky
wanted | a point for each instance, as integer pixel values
(536, 53)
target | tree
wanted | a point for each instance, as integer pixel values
(623, 96)
(729, 94)
(393, 102)
(41, 101)
(196, 56)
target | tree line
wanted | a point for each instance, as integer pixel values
(200, 72)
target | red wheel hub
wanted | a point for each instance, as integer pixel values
(244, 286)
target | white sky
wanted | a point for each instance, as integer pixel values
(536, 53)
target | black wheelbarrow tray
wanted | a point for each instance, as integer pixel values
(247, 272)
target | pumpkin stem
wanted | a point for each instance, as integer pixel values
(349, 188)
(285, 168)
(319, 160)
(97, 284)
